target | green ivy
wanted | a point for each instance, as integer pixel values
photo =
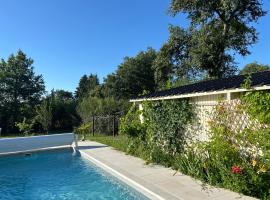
(161, 139)
(131, 125)
(166, 123)
(257, 105)
(162, 134)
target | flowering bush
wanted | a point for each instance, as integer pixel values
(220, 163)
(236, 169)
(237, 156)
(257, 105)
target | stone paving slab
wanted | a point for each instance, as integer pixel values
(158, 179)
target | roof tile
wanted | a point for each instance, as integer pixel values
(257, 79)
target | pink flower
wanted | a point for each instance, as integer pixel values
(236, 169)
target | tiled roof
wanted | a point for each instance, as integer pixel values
(234, 82)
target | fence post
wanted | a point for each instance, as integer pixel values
(113, 125)
(108, 123)
(93, 125)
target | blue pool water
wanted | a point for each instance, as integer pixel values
(58, 175)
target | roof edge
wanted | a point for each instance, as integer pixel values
(198, 94)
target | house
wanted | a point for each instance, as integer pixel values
(205, 96)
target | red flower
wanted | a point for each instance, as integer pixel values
(236, 169)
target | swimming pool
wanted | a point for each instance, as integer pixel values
(59, 175)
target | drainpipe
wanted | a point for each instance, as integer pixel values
(141, 115)
(229, 96)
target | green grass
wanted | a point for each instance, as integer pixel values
(118, 142)
(121, 143)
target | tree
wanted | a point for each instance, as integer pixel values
(20, 90)
(173, 60)
(62, 95)
(88, 107)
(86, 85)
(254, 67)
(133, 76)
(44, 114)
(25, 126)
(93, 106)
(219, 29)
(63, 106)
(110, 86)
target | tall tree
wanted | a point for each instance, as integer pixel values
(64, 114)
(173, 59)
(90, 106)
(20, 89)
(44, 114)
(86, 85)
(110, 86)
(220, 28)
(133, 76)
(254, 67)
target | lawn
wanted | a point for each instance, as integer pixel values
(117, 142)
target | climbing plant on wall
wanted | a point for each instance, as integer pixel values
(166, 122)
(162, 133)
(236, 156)
(257, 105)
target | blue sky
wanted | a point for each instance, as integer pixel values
(69, 38)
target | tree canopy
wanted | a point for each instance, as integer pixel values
(173, 59)
(135, 75)
(87, 84)
(132, 77)
(20, 90)
(63, 108)
(220, 28)
(217, 31)
(254, 67)
(44, 114)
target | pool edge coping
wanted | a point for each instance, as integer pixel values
(135, 185)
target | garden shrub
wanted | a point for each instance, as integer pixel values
(166, 123)
(233, 158)
(221, 163)
(83, 130)
(26, 126)
(131, 125)
(162, 133)
(258, 105)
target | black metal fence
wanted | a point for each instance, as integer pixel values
(106, 124)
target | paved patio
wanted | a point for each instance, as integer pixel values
(159, 182)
